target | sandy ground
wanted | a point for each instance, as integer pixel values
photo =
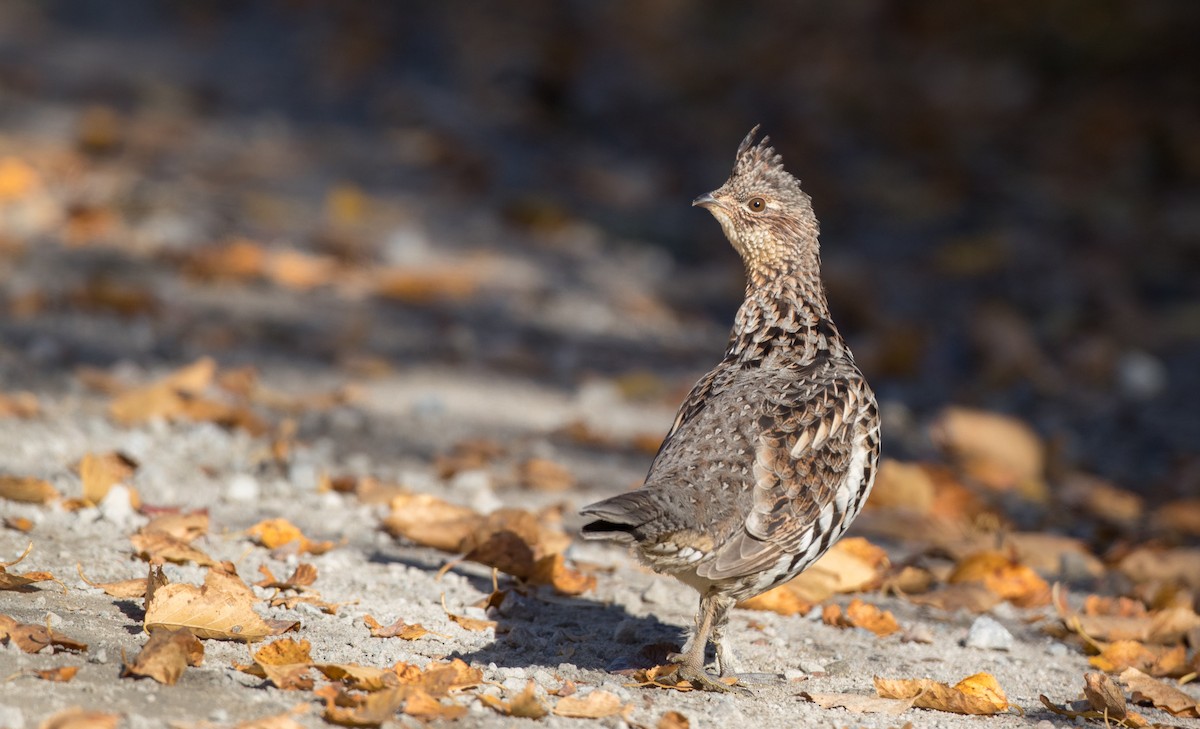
(544, 638)
(529, 318)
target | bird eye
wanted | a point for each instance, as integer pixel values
(758, 204)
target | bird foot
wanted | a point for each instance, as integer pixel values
(702, 680)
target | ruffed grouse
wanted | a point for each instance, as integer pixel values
(774, 451)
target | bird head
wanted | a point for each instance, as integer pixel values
(766, 216)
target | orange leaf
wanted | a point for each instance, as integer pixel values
(595, 705)
(166, 655)
(978, 694)
(99, 473)
(398, 629)
(27, 489)
(861, 615)
(1010, 580)
(553, 571)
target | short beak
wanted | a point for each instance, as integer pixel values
(705, 200)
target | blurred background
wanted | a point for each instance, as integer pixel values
(1009, 195)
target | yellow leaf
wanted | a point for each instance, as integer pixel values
(27, 489)
(978, 694)
(595, 705)
(218, 610)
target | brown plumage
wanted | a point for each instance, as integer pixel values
(774, 451)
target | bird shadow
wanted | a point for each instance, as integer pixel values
(535, 627)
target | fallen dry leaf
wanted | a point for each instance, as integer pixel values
(19, 405)
(673, 720)
(158, 547)
(1158, 661)
(472, 624)
(996, 450)
(851, 565)
(99, 473)
(978, 694)
(427, 708)
(553, 570)
(32, 638)
(302, 577)
(859, 614)
(398, 629)
(859, 703)
(62, 674)
(782, 600)
(1164, 627)
(468, 455)
(185, 526)
(285, 663)
(905, 486)
(222, 609)
(166, 655)
(1104, 695)
(365, 710)
(665, 677)
(430, 521)
(78, 718)
(359, 678)
(126, 589)
(27, 489)
(279, 533)
(18, 523)
(439, 679)
(1085, 710)
(595, 705)
(1010, 580)
(10, 581)
(421, 286)
(165, 398)
(542, 474)
(1160, 695)
(525, 705)
(1180, 565)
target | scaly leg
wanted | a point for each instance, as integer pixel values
(691, 660)
(727, 662)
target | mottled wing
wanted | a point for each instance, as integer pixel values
(818, 445)
(708, 386)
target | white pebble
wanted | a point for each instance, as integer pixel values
(1140, 375)
(243, 487)
(11, 716)
(988, 634)
(117, 505)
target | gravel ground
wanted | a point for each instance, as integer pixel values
(526, 316)
(541, 637)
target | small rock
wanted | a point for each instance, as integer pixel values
(1058, 649)
(54, 620)
(814, 614)
(988, 634)
(11, 716)
(794, 674)
(117, 505)
(219, 716)
(917, 634)
(811, 667)
(1141, 375)
(243, 487)
(100, 655)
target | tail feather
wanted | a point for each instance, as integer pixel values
(622, 518)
